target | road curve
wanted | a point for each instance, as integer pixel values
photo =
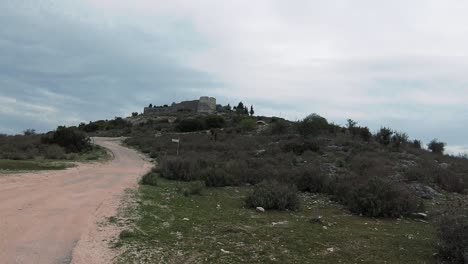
(51, 217)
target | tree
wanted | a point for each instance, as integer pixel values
(252, 112)
(312, 125)
(150, 105)
(29, 132)
(240, 108)
(384, 136)
(246, 111)
(436, 146)
(351, 123)
(135, 114)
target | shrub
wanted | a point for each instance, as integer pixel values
(299, 147)
(150, 178)
(190, 125)
(399, 138)
(451, 181)
(310, 180)
(378, 197)
(416, 144)
(279, 126)
(218, 177)
(194, 188)
(452, 234)
(436, 146)
(214, 121)
(363, 132)
(247, 124)
(73, 140)
(312, 125)
(179, 169)
(384, 136)
(54, 152)
(273, 195)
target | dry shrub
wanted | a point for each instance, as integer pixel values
(452, 234)
(273, 195)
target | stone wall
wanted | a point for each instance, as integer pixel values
(207, 104)
(204, 105)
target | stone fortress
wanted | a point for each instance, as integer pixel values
(204, 105)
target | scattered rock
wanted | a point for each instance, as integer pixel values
(186, 219)
(218, 206)
(325, 227)
(279, 223)
(423, 190)
(225, 251)
(260, 152)
(331, 250)
(316, 220)
(260, 209)
(420, 215)
(444, 165)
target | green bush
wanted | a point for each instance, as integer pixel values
(378, 197)
(194, 188)
(247, 124)
(72, 139)
(150, 178)
(310, 180)
(452, 234)
(218, 177)
(312, 125)
(273, 195)
(190, 125)
(177, 168)
(214, 121)
(54, 152)
(384, 136)
(436, 146)
(279, 126)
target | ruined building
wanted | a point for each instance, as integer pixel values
(204, 105)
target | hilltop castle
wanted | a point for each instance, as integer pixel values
(204, 105)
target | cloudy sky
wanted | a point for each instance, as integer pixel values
(399, 63)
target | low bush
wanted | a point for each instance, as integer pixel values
(190, 125)
(72, 139)
(378, 197)
(436, 146)
(214, 121)
(54, 152)
(176, 168)
(150, 178)
(452, 234)
(384, 136)
(312, 125)
(194, 188)
(279, 126)
(247, 124)
(273, 195)
(310, 179)
(451, 181)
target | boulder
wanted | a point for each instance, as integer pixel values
(260, 209)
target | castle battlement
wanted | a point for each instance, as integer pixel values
(204, 105)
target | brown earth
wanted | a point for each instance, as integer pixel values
(53, 216)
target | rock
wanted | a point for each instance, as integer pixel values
(444, 165)
(260, 152)
(423, 191)
(325, 227)
(279, 223)
(186, 219)
(420, 215)
(316, 220)
(225, 251)
(260, 209)
(331, 250)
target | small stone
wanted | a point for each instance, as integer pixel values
(186, 219)
(420, 215)
(225, 251)
(325, 227)
(331, 250)
(316, 220)
(260, 209)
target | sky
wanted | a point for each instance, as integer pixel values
(401, 64)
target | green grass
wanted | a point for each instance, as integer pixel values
(97, 153)
(214, 227)
(31, 165)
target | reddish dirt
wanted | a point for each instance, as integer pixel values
(53, 216)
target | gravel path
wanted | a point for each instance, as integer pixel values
(53, 216)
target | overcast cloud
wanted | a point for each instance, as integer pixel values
(397, 63)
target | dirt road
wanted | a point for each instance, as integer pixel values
(51, 217)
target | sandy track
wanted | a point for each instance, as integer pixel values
(51, 217)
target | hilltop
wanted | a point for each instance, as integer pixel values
(231, 186)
